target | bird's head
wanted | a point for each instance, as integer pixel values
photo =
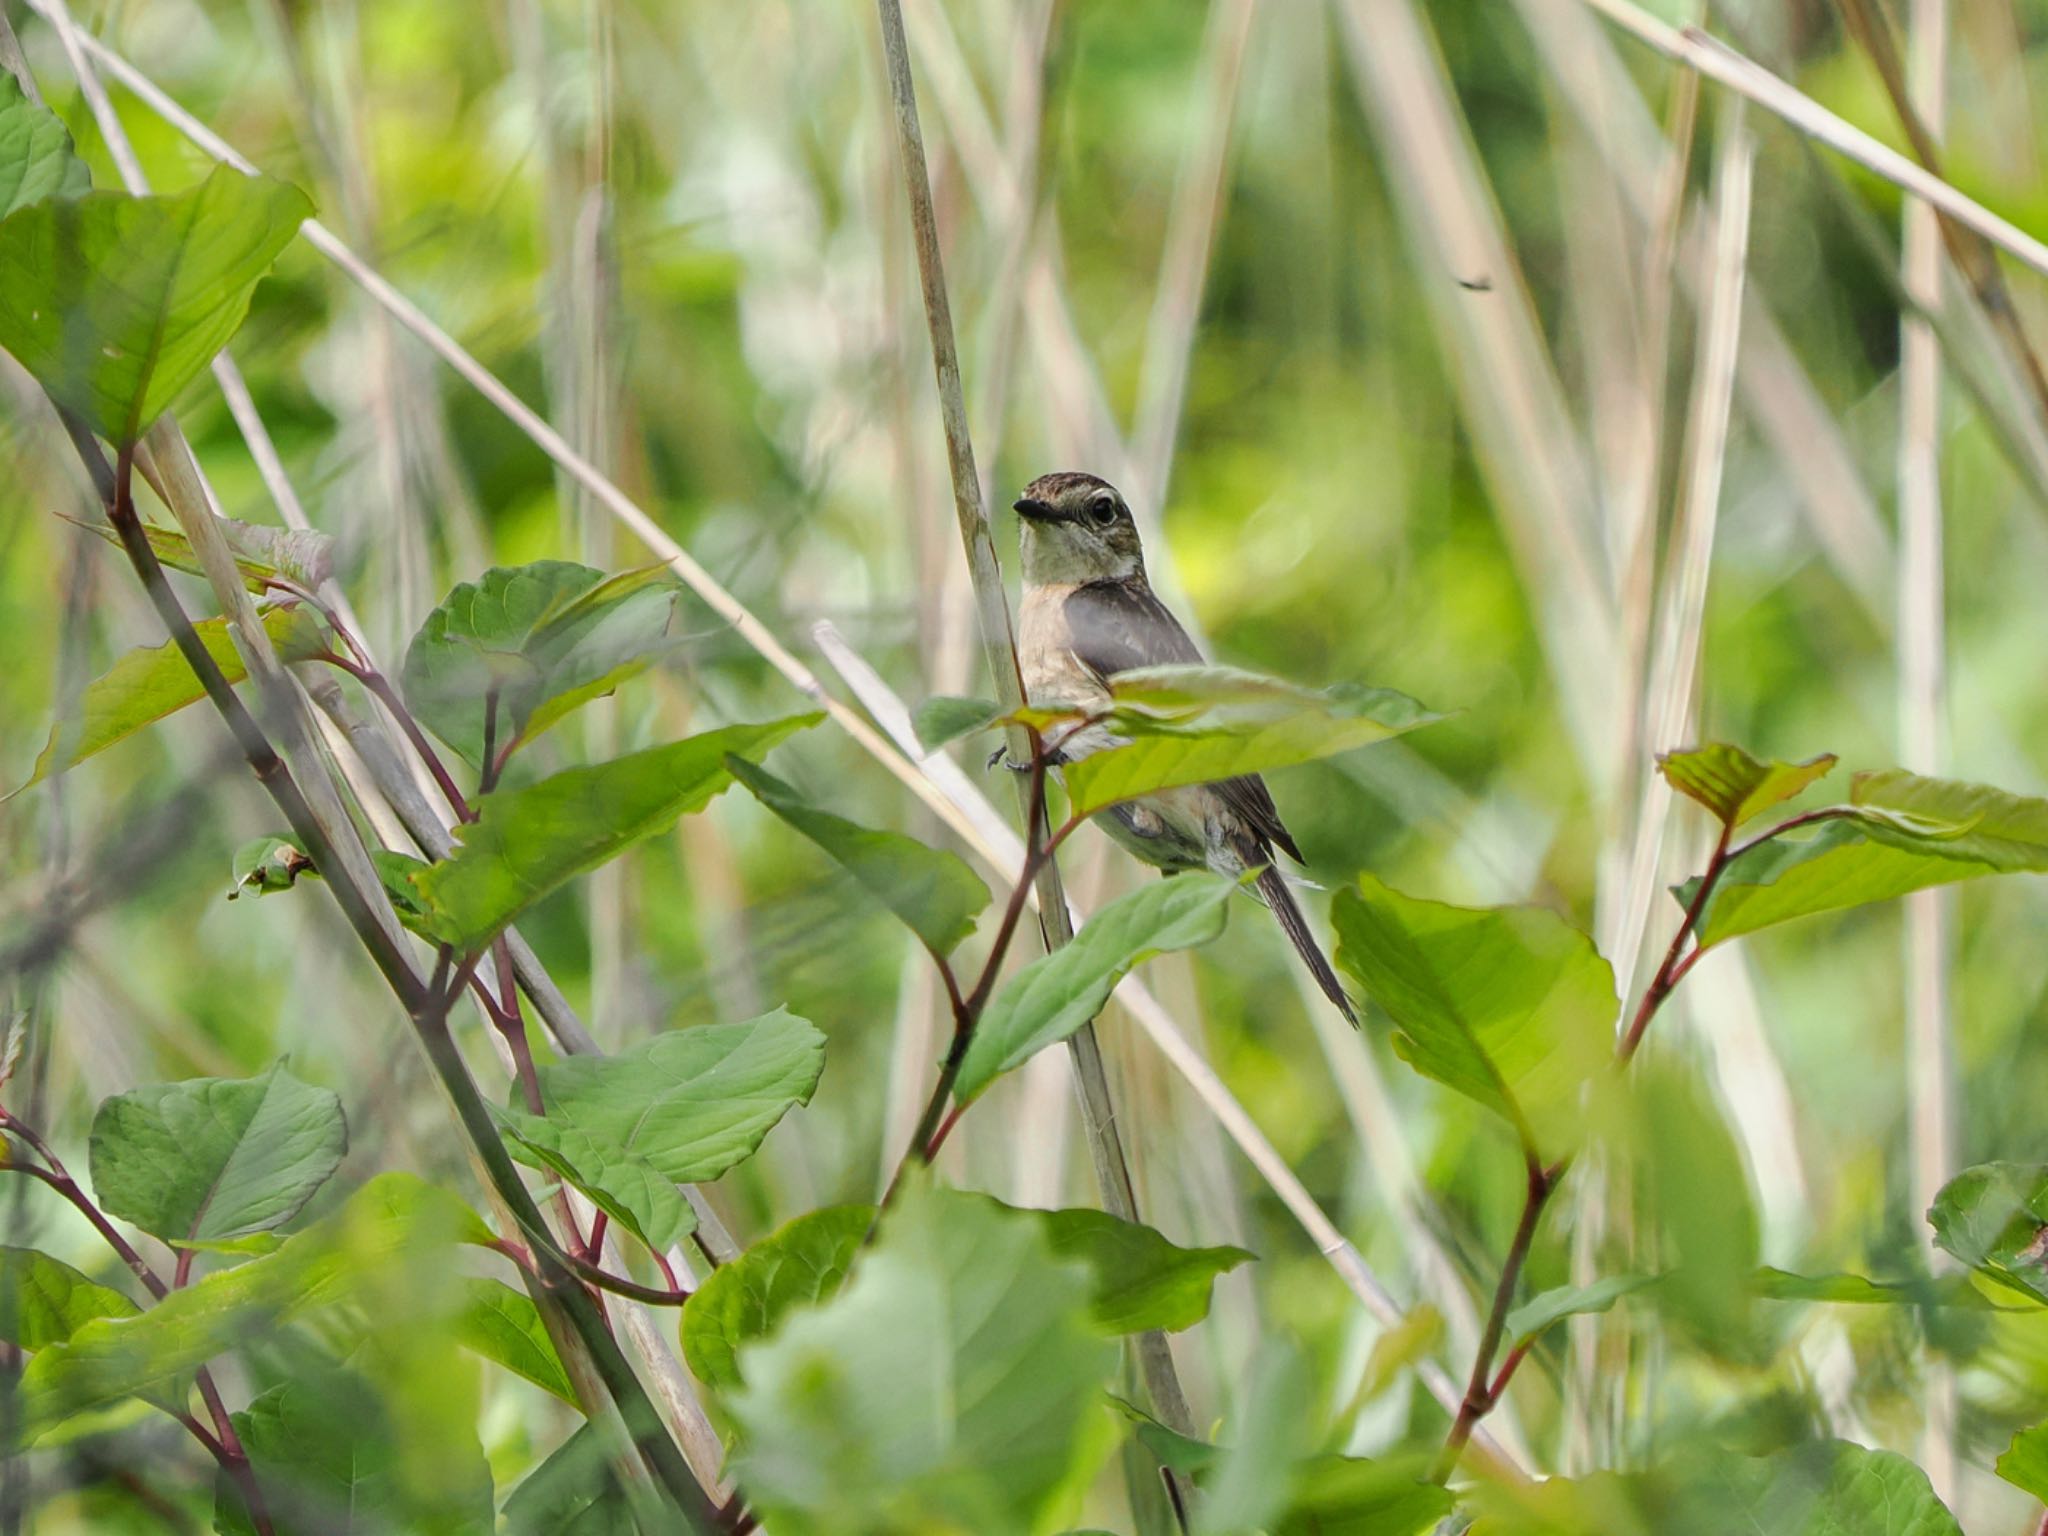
(1076, 528)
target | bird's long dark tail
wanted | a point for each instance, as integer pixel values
(1273, 891)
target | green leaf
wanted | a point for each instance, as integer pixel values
(36, 158)
(1735, 786)
(44, 1301)
(1510, 1006)
(146, 685)
(573, 1493)
(1169, 1447)
(1248, 1485)
(265, 556)
(1858, 1290)
(954, 1384)
(682, 1107)
(331, 1462)
(1053, 996)
(503, 1325)
(1195, 725)
(213, 1157)
(541, 639)
(944, 719)
(798, 1265)
(1142, 1281)
(1994, 1218)
(527, 842)
(1532, 1317)
(933, 891)
(115, 303)
(110, 1358)
(264, 866)
(2024, 1463)
(1900, 833)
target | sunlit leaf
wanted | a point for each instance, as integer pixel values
(953, 1384)
(115, 303)
(504, 1326)
(538, 640)
(2024, 1463)
(1142, 1281)
(1735, 786)
(265, 556)
(1994, 1218)
(1859, 1290)
(526, 842)
(573, 1493)
(146, 685)
(798, 1265)
(1899, 833)
(945, 719)
(36, 158)
(213, 1157)
(1051, 998)
(1510, 1006)
(931, 890)
(44, 1301)
(1532, 1317)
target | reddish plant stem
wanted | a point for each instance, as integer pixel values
(931, 1148)
(380, 687)
(1676, 962)
(182, 1274)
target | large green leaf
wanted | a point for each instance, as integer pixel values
(1142, 1281)
(798, 1265)
(679, 1108)
(503, 1325)
(148, 684)
(1994, 1217)
(331, 1463)
(1196, 725)
(2024, 1463)
(1510, 1006)
(1899, 833)
(527, 842)
(110, 1358)
(573, 1493)
(44, 1301)
(1056, 994)
(932, 890)
(953, 1384)
(36, 158)
(213, 1158)
(527, 644)
(1735, 786)
(115, 303)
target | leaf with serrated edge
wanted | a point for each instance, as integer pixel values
(527, 842)
(1510, 1006)
(1052, 997)
(1735, 786)
(620, 1183)
(931, 890)
(1142, 1281)
(148, 684)
(114, 303)
(504, 1326)
(44, 1301)
(798, 1265)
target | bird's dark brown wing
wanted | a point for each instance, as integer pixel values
(1117, 626)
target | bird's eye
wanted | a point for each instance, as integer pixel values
(1103, 510)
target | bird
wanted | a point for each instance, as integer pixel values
(1088, 613)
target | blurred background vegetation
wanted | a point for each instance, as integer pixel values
(1199, 250)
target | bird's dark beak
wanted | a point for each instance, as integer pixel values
(1036, 511)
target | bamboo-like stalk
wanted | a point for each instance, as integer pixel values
(1929, 1055)
(999, 648)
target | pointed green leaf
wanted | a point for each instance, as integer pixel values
(44, 1301)
(799, 1265)
(1860, 1290)
(1532, 1317)
(681, 1107)
(1142, 1282)
(540, 639)
(933, 891)
(1899, 833)
(1510, 1006)
(503, 1325)
(1735, 786)
(1994, 1217)
(953, 1384)
(146, 685)
(115, 303)
(2024, 1463)
(1053, 996)
(213, 1157)
(527, 842)
(573, 1493)
(1196, 725)
(36, 158)
(946, 719)
(266, 557)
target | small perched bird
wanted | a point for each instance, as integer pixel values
(1088, 614)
